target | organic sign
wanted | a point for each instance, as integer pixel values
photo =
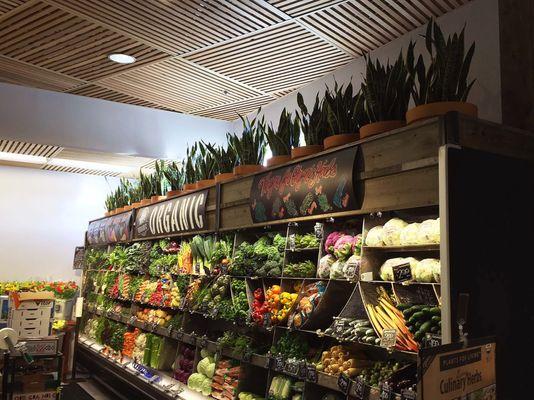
(451, 374)
(317, 186)
(110, 229)
(176, 215)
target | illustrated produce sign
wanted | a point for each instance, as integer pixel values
(110, 229)
(312, 187)
(177, 215)
(449, 374)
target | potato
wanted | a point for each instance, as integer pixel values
(351, 372)
(327, 361)
(334, 368)
(350, 363)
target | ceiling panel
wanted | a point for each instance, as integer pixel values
(204, 57)
(231, 111)
(177, 26)
(296, 8)
(91, 90)
(274, 59)
(31, 149)
(85, 171)
(179, 85)
(51, 38)
(18, 73)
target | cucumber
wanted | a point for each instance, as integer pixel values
(436, 319)
(418, 336)
(360, 331)
(416, 317)
(403, 306)
(377, 341)
(408, 312)
(370, 340)
(435, 311)
(425, 327)
(411, 328)
(434, 329)
(418, 325)
(370, 332)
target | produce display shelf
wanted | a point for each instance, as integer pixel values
(302, 250)
(403, 249)
(404, 283)
(164, 387)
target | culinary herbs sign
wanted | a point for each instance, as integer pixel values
(318, 186)
(110, 229)
(177, 215)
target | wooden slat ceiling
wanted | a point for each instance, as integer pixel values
(210, 58)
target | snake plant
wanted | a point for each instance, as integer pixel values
(446, 77)
(386, 90)
(174, 174)
(250, 146)
(205, 163)
(344, 109)
(225, 158)
(286, 136)
(314, 125)
(146, 185)
(190, 173)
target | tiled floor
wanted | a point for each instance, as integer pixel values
(85, 391)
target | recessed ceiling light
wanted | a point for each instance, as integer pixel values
(121, 58)
(22, 158)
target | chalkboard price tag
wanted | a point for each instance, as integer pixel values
(389, 338)
(402, 272)
(386, 392)
(169, 330)
(182, 304)
(277, 363)
(408, 395)
(214, 313)
(431, 340)
(360, 389)
(302, 370)
(311, 373)
(343, 383)
(180, 335)
(292, 368)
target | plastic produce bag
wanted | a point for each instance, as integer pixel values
(392, 231)
(351, 269)
(325, 263)
(429, 231)
(374, 236)
(410, 234)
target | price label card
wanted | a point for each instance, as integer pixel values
(277, 363)
(202, 342)
(389, 338)
(343, 383)
(408, 395)
(311, 374)
(431, 340)
(291, 242)
(302, 370)
(214, 313)
(386, 392)
(318, 230)
(360, 389)
(180, 335)
(169, 330)
(182, 304)
(267, 319)
(292, 368)
(402, 272)
(339, 326)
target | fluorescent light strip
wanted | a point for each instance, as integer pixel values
(22, 158)
(63, 162)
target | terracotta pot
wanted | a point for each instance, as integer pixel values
(374, 128)
(247, 169)
(225, 176)
(430, 110)
(203, 183)
(190, 186)
(340, 140)
(173, 193)
(119, 210)
(278, 160)
(127, 208)
(107, 214)
(155, 199)
(304, 151)
(137, 204)
(145, 202)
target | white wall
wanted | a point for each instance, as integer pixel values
(482, 19)
(45, 117)
(43, 217)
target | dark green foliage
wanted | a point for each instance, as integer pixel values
(314, 125)
(146, 185)
(445, 78)
(158, 182)
(225, 158)
(205, 162)
(344, 109)
(250, 147)
(386, 90)
(190, 175)
(286, 135)
(174, 175)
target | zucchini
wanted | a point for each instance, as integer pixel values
(370, 340)
(425, 327)
(370, 332)
(436, 319)
(435, 311)
(403, 306)
(416, 317)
